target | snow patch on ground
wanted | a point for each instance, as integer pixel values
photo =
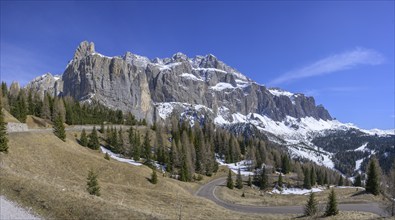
(118, 157)
(242, 165)
(295, 191)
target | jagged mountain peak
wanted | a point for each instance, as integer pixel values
(84, 49)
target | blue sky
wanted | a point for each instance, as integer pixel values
(342, 53)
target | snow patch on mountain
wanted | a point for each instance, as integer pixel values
(278, 92)
(362, 148)
(222, 86)
(358, 164)
(190, 77)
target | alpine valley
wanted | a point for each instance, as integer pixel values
(205, 89)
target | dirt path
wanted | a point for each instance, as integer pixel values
(11, 210)
(208, 191)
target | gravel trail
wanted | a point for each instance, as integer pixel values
(11, 210)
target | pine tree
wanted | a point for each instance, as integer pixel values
(285, 164)
(306, 181)
(136, 147)
(280, 180)
(58, 128)
(102, 127)
(147, 147)
(311, 206)
(341, 181)
(239, 180)
(358, 180)
(93, 184)
(3, 131)
(229, 180)
(331, 206)
(154, 177)
(46, 109)
(93, 142)
(84, 138)
(264, 180)
(249, 183)
(326, 182)
(313, 176)
(372, 181)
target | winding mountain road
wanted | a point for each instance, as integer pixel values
(208, 191)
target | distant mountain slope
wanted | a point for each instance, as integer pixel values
(204, 88)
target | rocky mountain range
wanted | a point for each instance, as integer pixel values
(197, 88)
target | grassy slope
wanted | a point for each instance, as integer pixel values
(8, 117)
(43, 172)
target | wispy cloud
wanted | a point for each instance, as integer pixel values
(332, 64)
(339, 89)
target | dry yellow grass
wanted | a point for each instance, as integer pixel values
(36, 122)
(8, 117)
(42, 172)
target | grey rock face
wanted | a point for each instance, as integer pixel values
(135, 84)
(46, 83)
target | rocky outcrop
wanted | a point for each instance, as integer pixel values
(47, 83)
(135, 84)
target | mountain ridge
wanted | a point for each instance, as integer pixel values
(199, 89)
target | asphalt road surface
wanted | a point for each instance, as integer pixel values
(208, 191)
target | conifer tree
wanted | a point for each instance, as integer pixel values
(306, 181)
(93, 184)
(311, 206)
(136, 147)
(331, 206)
(84, 138)
(358, 181)
(102, 127)
(147, 147)
(58, 128)
(280, 180)
(264, 180)
(249, 183)
(341, 181)
(326, 182)
(93, 142)
(239, 180)
(313, 176)
(229, 180)
(154, 177)
(3, 131)
(285, 164)
(373, 181)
